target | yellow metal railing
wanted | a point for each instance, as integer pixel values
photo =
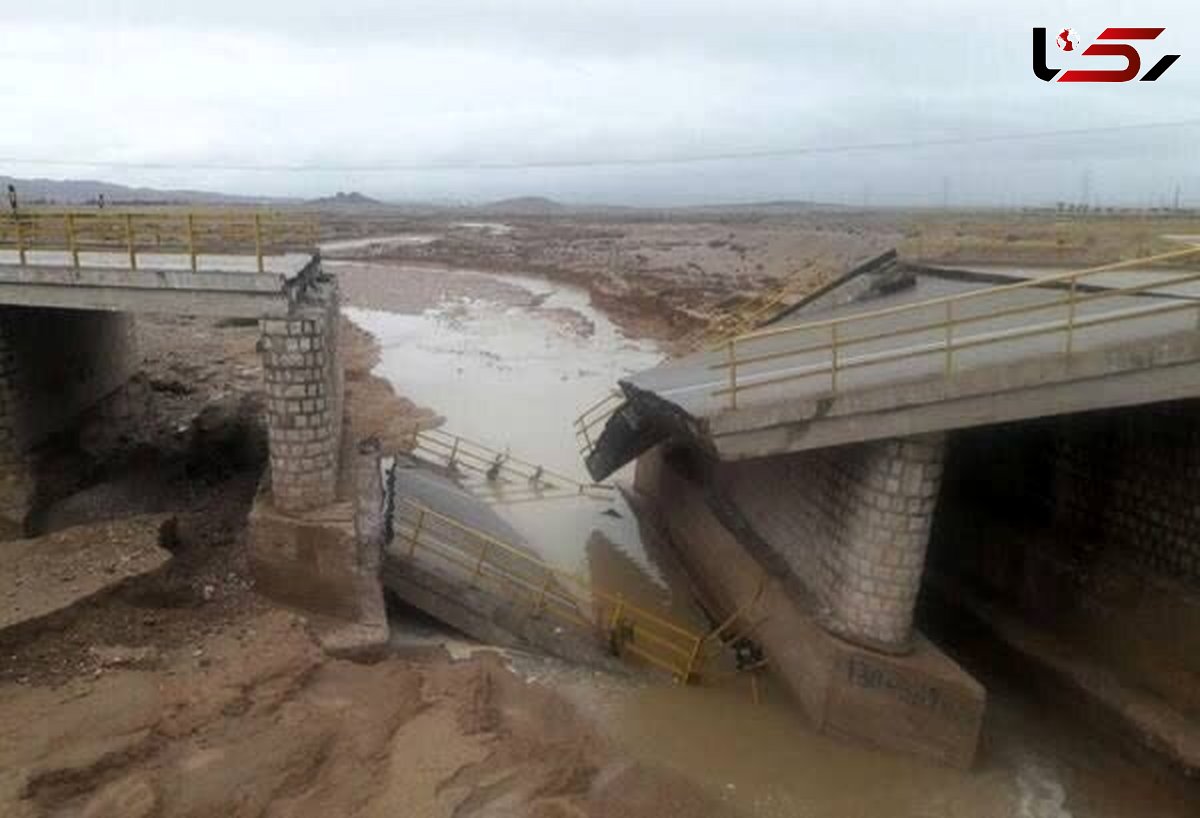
(839, 350)
(751, 314)
(754, 312)
(130, 233)
(626, 629)
(509, 479)
(591, 421)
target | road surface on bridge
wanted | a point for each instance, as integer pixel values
(695, 382)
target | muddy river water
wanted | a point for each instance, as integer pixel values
(510, 361)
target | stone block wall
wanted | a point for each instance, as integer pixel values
(1130, 479)
(54, 365)
(852, 524)
(303, 376)
(57, 363)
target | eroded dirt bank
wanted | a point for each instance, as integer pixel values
(654, 278)
(187, 694)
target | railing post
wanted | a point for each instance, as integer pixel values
(1070, 346)
(20, 240)
(71, 240)
(191, 237)
(833, 363)
(258, 243)
(691, 662)
(129, 241)
(541, 600)
(949, 338)
(616, 614)
(479, 565)
(587, 437)
(732, 373)
(452, 460)
(416, 535)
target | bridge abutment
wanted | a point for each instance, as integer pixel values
(55, 364)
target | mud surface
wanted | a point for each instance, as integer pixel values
(654, 278)
(187, 694)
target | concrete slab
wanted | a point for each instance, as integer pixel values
(47, 576)
(483, 609)
(221, 285)
(286, 264)
(693, 383)
(1106, 700)
(999, 370)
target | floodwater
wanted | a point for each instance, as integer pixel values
(515, 371)
(382, 242)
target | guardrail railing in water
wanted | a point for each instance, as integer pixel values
(503, 477)
(127, 234)
(839, 349)
(626, 629)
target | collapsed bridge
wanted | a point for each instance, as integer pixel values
(809, 457)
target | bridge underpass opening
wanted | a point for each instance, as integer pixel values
(55, 365)
(1074, 542)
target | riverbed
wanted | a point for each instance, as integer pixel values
(510, 361)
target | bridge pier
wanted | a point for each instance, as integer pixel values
(303, 376)
(852, 524)
(819, 556)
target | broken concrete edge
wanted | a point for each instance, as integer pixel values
(644, 420)
(884, 263)
(57, 618)
(1165, 736)
(923, 704)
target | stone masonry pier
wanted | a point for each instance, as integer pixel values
(852, 523)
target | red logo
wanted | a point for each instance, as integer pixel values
(1068, 40)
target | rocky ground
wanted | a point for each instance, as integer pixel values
(184, 693)
(655, 278)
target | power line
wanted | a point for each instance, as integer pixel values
(683, 159)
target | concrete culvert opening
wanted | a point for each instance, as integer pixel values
(1072, 544)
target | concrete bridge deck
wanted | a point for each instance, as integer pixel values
(938, 349)
(225, 285)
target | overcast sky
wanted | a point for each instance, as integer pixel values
(416, 82)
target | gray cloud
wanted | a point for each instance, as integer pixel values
(424, 81)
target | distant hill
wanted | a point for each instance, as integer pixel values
(525, 206)
(780, 207)
(82, 191)
(340, 199)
